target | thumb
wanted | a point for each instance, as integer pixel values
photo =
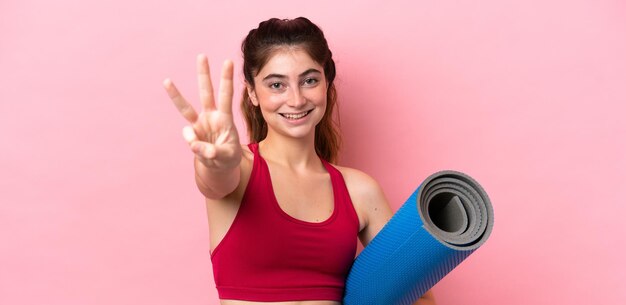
(203, 149)
(189, 134)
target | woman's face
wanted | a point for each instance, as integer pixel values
(291, 91)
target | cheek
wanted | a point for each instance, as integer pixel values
(270, 102)
(318, 96)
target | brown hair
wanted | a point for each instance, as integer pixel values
(257, 49)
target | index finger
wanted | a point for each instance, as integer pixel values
(181, 104)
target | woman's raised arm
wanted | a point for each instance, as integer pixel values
(212, 135)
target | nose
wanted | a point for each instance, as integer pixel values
(296, 100)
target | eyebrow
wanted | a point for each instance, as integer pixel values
(274, 75)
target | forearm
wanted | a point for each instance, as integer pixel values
(216, 184)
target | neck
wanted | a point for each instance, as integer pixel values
(293, 153)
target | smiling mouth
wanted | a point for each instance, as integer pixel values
(296, 116)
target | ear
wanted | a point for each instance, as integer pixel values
(252, 95)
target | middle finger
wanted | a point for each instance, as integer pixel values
(204, 83)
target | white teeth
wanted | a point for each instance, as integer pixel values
(295, 116)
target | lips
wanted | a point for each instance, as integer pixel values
(296, 116)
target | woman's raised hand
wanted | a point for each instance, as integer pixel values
(212, 134)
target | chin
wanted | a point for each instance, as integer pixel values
(300, 133)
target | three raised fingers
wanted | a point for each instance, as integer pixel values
(201, 127)
(205, 88)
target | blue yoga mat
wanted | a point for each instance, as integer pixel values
(444, 221)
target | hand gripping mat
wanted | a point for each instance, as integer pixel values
(444, 221)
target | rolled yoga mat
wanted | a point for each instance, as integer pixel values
(443, 222)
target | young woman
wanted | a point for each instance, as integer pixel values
(283, 220)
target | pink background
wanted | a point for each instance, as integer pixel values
(98, 203)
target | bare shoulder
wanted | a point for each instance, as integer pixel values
(247, 159)
(368, 199)
(359, 184)
(246, 152)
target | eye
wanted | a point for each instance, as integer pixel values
(310, 81)
(276, 85)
